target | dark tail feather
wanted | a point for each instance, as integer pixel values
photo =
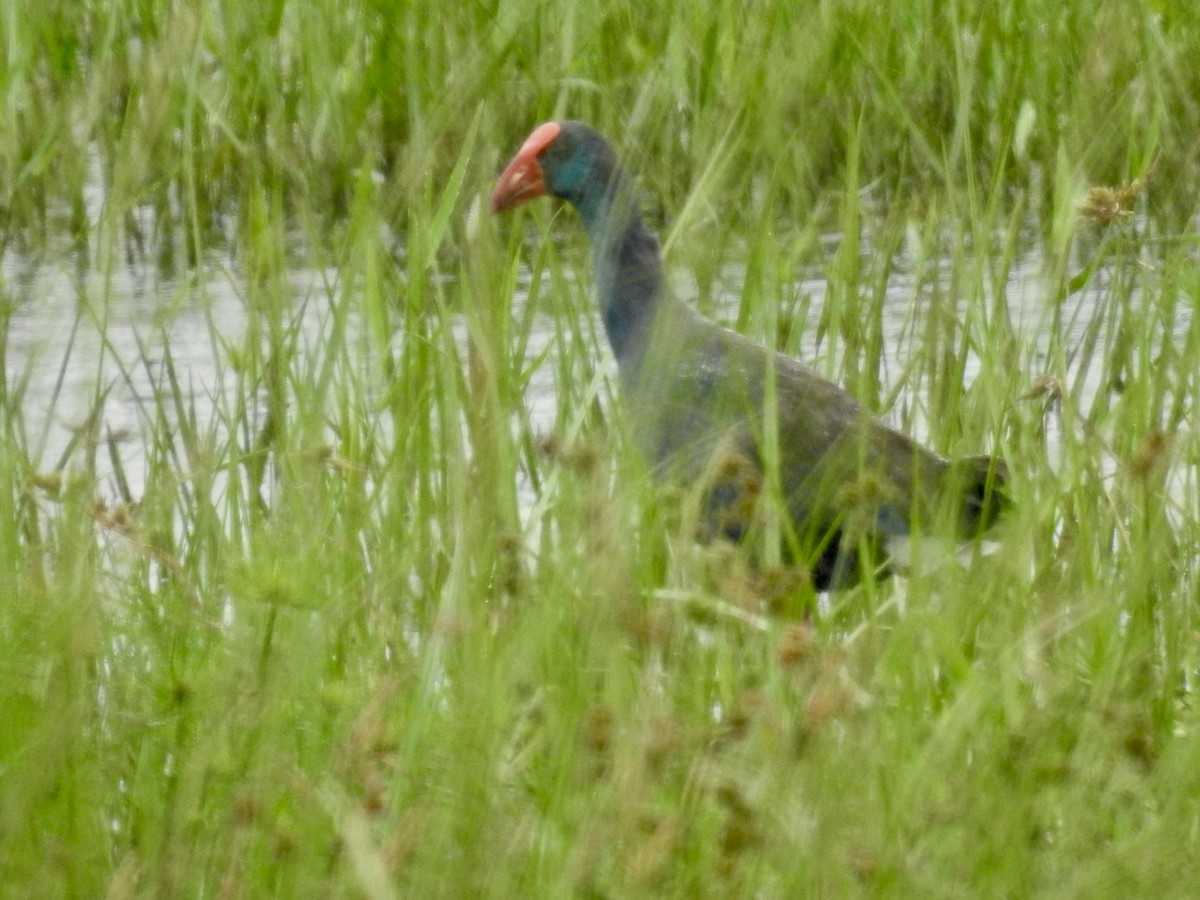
(982, 480)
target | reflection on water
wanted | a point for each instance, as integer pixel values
(80, 341)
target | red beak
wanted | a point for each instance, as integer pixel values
(523, 179)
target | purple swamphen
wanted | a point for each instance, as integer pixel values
(695, 394)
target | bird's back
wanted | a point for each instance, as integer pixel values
(698, 400)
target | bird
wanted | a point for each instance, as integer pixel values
(698, 398)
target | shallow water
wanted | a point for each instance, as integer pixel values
(82, 340)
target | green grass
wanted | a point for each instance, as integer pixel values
(323, 647)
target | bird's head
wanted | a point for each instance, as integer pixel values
(565, 159)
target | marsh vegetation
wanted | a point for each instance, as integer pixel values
(326, 569)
